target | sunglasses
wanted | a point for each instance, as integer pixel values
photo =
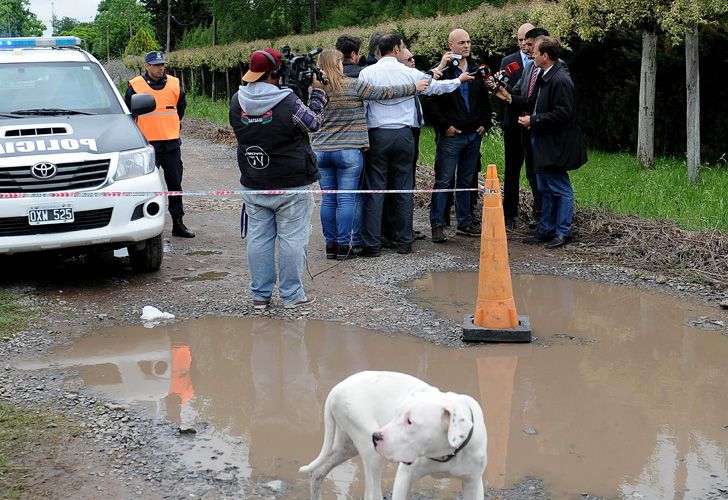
(409, 59)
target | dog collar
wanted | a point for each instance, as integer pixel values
(447, 458)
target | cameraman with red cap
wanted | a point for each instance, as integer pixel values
(271, 125)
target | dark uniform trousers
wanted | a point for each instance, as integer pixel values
(169, 159)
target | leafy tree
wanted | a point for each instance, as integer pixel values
(143, 41)
(116, 23)
(17, 20)
(86, 32)
(679, 19)
(59, 25)
(186, 15)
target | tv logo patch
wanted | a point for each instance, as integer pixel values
(257, 158)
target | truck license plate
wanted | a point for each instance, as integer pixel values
(50, 215)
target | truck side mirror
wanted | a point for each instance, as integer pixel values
(142, 104)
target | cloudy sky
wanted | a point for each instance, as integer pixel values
(83, 10)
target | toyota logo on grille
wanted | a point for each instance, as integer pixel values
(43, 170)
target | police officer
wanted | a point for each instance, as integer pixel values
(161, 128)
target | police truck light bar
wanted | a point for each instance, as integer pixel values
(52, 41)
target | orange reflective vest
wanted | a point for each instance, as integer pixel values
(162, 124)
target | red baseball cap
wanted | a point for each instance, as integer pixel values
(261, 62)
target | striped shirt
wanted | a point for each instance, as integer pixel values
(401, 112)
(345, 125)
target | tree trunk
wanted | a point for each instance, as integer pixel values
(169, 22)
(692, 84)
(214, 30)
(227, 84)
(212, 78)
(648, 81)
(202, 80)
(312, 14)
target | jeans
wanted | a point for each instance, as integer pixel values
(288, 218)
(457, 154)
(341, 213)
(557, 202)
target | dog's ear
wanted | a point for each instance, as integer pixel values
(461, 421)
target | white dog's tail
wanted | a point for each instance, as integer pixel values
(329, 432)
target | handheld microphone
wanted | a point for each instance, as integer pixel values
(502, 78)
(482, 70)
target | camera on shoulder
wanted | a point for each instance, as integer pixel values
(298, 71)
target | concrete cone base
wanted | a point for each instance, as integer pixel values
(474, 333)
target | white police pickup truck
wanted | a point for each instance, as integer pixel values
(70, 152)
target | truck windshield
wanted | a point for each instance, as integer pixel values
(72, 86)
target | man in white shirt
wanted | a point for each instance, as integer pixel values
(391, 152)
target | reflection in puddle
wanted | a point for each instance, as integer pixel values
(620, 397)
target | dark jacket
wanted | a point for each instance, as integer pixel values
(521, 102)
(351, 69)
(510, 116)
(446, 110)
(556, 139)
(272, 151)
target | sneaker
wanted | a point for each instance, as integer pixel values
(468, 230)
(404, 249)
(533, 222)
(419, 235)
(438, 235)
(259, 305)
(510, 225)
(303, 301)
(331, 250)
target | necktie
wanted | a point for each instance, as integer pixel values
(532, 83)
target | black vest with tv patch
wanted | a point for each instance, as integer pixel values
(273, 152)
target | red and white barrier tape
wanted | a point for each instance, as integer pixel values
(121, 194)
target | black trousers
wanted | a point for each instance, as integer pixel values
(517, 145)
(389, 166)
(388, 232)
(170, 162)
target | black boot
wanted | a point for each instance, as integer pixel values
(179, 228)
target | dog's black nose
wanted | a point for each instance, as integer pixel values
(376, 437)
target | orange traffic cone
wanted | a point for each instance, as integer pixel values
(495, 318)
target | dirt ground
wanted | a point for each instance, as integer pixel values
(67, 457)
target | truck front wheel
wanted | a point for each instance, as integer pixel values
(146, 255)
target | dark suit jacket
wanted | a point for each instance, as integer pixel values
(510, 117)
(520, 102)
(556, 139)
(446, 110)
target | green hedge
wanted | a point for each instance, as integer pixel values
(605, 73)
(491, 29)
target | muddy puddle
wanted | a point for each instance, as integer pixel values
(621, 395)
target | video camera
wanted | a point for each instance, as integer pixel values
(298, 71)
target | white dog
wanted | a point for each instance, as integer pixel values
(397, 417)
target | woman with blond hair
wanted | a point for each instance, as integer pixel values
(339, 146)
